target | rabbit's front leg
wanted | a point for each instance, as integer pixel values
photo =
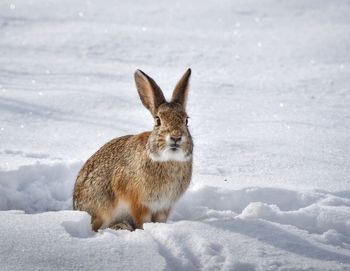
(124, 225)
(161, 216)
(140, 214)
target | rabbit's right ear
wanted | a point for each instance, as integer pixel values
(181, 90)
(150, 93)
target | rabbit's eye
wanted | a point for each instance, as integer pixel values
(187, 121)
(157, 119)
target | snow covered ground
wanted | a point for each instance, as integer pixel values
(270, 116)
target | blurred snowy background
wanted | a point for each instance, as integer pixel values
(270, 116)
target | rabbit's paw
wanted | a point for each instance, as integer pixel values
(125, 225)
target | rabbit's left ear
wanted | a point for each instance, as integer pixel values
(181, 90)
(150, 93)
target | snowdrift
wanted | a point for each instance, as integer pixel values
(210, 228)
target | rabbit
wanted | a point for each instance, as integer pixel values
(136, 179)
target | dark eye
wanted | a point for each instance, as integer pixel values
(187, 121)
(157, 119)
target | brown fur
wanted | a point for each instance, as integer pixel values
(122, 173)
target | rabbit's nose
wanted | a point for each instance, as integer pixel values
(175, 138)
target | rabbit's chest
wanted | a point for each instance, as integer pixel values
(167, 194)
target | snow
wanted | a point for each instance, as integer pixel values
(38, 188)
(211, 228)
(269, 113)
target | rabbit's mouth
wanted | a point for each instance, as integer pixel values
(171, 152)
(174, 147)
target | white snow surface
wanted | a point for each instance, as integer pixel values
(270, 116)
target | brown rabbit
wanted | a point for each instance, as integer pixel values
(137, 178)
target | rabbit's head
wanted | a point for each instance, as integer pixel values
(170, 139)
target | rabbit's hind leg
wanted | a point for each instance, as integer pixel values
(96, 223)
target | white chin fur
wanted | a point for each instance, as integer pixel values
(170, 155)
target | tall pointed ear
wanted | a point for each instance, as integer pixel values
(181, 90)
(150, 93)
